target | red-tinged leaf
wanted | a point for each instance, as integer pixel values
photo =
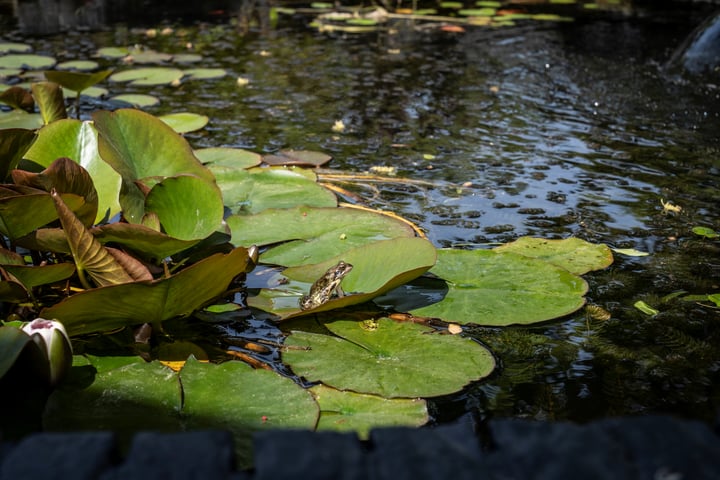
(89, 254)
(134, 267)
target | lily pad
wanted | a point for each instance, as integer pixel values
(233, 396)
(26, 61)
(297, 157)
(189, 207)
(83, 65)
(503, 288)
(186, 57)
(573, 254)
(357, 412)
(137, 99)
(183, 122)
(148, 76)
(147, 56)
(6, 47)
(20, 119)
(259, 189)
(124, 397)
(14, 220)
(76, 81)
(113, 52)
(377, 267)
(312, 235)
(78, 140)
(92, 92)
(152, 302)
(387, 358)
(205, 73)
(228, 157)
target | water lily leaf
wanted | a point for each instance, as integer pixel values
(151, 302)
(573, 254)
(18, 97)
(92, 92)
(186, 58)
(297, 157)
(357, 412)
(503, 288)
(148, 76)
(630, 252)
(112, 52)
(50, 100)
(148, 56)
(78, 141)
(20, 119)
(26, 61)
(377, 268)
(77, 81)
(14, 220)
(205, 73)
(645, 308)
(189, 207)
(64, 176)
(477, 12)
(144, 241)
(127, 138)
(77, 65)
(228, 157)
(312, 235)
(89, 255)
(183, 122)
(33, 276)
(14, 142)
(705, 232)
(387, 358)
(258, 189)
(121, 394)
(233, 396)
(137, 99)
(6, 47)
(11, 290)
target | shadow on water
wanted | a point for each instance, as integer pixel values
(545, 129)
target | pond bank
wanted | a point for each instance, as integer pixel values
(658, 447)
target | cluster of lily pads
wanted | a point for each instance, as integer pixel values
(116, 221)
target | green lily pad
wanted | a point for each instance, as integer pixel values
(83, 65)
(148, 76)
(259, 189)
(20, 119)
(92, 92)
(503, 288)
(313, 235)
(298, 157)
(127, 138)
(228, 157)
(387, 358)
(357, 412)
(477, 12)
(137, 99)
(573, 254)
(152, 302)
(8, 72)
(205, 73)
(6, 47)
(377, 267)
(112, 52)
(125, 397)
(148, 56)
(33, 276)
(26, 61)
(233, 396)
(183, 122)
(76, 81)
(186, 57)
(78, 140)
(188, 207)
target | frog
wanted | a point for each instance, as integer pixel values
(326, 287)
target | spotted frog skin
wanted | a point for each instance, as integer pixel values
(326, 286)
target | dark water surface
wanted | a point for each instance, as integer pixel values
(545, 129)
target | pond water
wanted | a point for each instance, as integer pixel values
(550, 129)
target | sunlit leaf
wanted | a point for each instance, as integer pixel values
(148, 76)
(186, 57)
(112, 52)
(204, 73)
(90, 256)
(78, 140)
(20, 119)
(705, 232)
(297, 157)
(26, 61)
(630, 252)
(49, 98)
(502, 288)
(77, 81)
(151, 302)
(357, 412)
(228, 157)
(183, 122)
(387, 358)
(645, 308)
(6, 47)
(14, 220)
(573, 254)
(137, 99)
(77, 65)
